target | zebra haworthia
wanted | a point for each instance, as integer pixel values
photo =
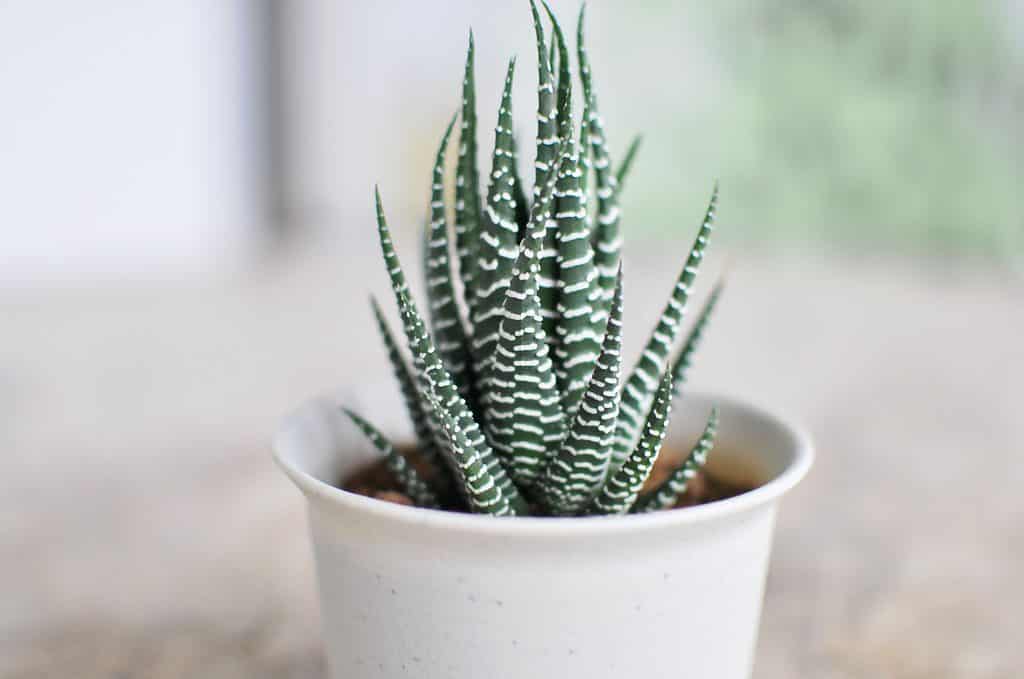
(643, 380)
(623, 486)
(446, 322)
(667, 493)
(467, 184)
(435, 380)
(572, 476)
(525, 414)
(409, 480)
(606, 237)
(498, 244)
(517, 394)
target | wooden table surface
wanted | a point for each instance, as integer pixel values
(146, 533)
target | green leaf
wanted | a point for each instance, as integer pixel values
(623, 486)
(577, 333)
(627, 162)
(668, 492)
(519, 193)
(576, 338)
(564, 92)
(407, 385)
(606, 237)
(572, 476)
(549, 152)
(642, 382)
(435, 381)
(467, 186)
(409, 480)
(685, 358)
(586, 170)
(498, 246)
(485, 490)
(547, 127)
(525, 417)
(445, 318)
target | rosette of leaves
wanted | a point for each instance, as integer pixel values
(513, 379)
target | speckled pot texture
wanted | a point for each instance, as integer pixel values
(409, 592)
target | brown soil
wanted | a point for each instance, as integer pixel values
(375, 480)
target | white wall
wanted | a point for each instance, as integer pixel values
(129, 138)
(370, 85)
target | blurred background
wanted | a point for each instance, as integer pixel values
(188, 247)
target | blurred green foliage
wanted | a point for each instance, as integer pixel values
(858, 122)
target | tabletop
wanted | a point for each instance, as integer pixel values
(146, 532)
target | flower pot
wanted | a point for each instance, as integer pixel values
(408, 592)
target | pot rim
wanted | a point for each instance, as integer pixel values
(538, 526)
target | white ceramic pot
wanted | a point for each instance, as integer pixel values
(408, 592)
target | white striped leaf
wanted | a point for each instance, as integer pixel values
(409, 480)
(576, 339)
(547, 126)
(519, 192)
(606, 236)
(467, 186)
(667, 493)
(578, 332)
(627, 162)
(643, 380)
(407, 385)
(482, 490)
(445, 318)
(498, 245)
(546, 165)
(525, 415)
(685, 357)
(623, 486)
(572, 476)
(435, 381)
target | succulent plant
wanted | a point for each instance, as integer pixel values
(516, 392)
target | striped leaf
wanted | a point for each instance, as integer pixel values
(407, 384)
(409, 480)
(546, 165)
(666, 495)
(643, 381)
(524, 398)
(586, 170)
(467, 186)
(526, 417)
(685, 358)
(547, 126)
(572, 476)
(627, 162)
(483, 491)
(519, 193)
(564, 90)
(445, 319)
(434, 379)
(498, 245)
(578, 336)
(606, 236)
(624, 485)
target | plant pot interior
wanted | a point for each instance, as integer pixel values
(731, 475)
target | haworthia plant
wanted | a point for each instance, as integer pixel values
(449, 330)
(409, 480)
(639, 387)
(517, 394)
(606, 236)
(573, 474)
(667, 493)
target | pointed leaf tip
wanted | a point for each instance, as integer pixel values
(667, 494)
